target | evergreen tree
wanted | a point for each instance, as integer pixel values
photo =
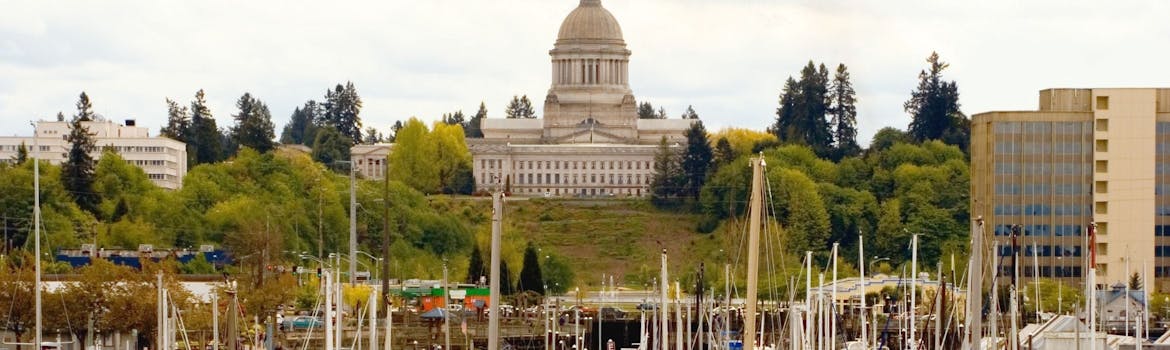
(342, 111)
(520, 108)
(178, 122)
(505, 279)
(696, 161)
(393, 136)
(254, 128)
(661, 113)
(229, 146)
(204, 142)
(330, 146)
(690, 113)
(372, 136)
(84, 109)
(668, 178)
(934, 108)
(302, 125)
(646, 111)
(723, 152)
(21, 153)
(803, 107)
(78, 170)
(475, 268)
(530, 276)
(474, 127)
(456, 118)
(844, 114)
(60, 116)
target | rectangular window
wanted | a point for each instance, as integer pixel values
(1102, 103)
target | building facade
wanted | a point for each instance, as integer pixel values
(164, 160)
(369, 161)
(590, 141)
(1086, 157)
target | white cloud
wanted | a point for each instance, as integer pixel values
(424, 58)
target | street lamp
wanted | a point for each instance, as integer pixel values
(377, 272)
(875, 260)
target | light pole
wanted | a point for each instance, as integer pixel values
(378, 271)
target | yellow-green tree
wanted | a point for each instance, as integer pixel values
(413, 160)
(453, 159)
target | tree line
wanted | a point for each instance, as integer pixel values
(825, 188)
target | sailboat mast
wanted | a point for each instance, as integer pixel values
(1091, 286)
(913, 291)
(974, 331)
(37, 234)
(861, 287)
(833, 303)
(662, 306)
(756, 211)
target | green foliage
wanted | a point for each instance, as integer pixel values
(452, 158)
(342, 111)
(413, 158)
(331, 146)
(302, 126)
(934, 108)
(204, 143)
(77, 171)
(475, 265)
(473, 127)
(668, 179)
(843, 114)
(558, 274)
(887, 137)
(803, 107)
(530, 274)
(646, 111)
(519, 108)
(506, 287)
(690, 114)
(198, 265)
(696, 161)
(883, 196)
(178, 122)
(253, 127)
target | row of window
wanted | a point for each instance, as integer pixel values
(1062, 168)
(557, 179)
(1161, 271)
(1012, 147)
(567, 165)
(139, 149)
(1042, 209)
(1065, 128)
(1040, 230)
(148, 162)
(1042, 250)
(1006, 271)
(1041, 188)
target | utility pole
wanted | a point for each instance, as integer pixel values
(386, 232)
(494, 287)
(37, 232)
(352, 225)
(447, 312)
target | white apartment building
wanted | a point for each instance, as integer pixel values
(164, 160)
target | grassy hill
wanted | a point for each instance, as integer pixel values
(622, 238)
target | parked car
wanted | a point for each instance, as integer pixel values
(647, 306)
(302, 323)
(609, 313)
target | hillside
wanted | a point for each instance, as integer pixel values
(620, 238)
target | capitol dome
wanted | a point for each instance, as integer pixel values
(590, 22)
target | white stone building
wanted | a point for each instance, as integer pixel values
(369, 161)
(164, 160)
(590, 141)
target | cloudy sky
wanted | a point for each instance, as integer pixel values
(423, 58)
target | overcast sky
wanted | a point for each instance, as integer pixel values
(728, 58)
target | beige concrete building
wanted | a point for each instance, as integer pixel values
(590, 141)
(164, 160)
(1087, 155)
(370, 160)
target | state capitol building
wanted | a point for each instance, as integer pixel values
(590, 141)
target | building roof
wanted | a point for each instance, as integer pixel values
(590, 21)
